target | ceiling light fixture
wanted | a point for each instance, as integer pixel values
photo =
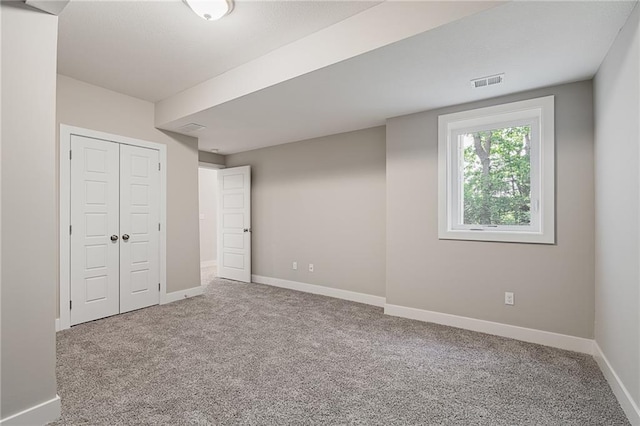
(210, 10)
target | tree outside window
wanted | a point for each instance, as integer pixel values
(497, 176)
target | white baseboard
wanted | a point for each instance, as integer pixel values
(353, 296)
(182, 294)
(619, 389)
(57, 324)
(37, 415)
(208, 263)
(561, 341)
(546, 338)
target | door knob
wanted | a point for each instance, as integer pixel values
(114, 238)
(125, 237)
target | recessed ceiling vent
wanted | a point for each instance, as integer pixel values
(191, 127)
(487, 81)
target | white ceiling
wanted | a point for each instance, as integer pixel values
(154, 49)
(536, 44)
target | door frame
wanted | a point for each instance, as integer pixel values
(205, 165)
(64, 187)
(210, 166)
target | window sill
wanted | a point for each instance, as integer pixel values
(497, 236)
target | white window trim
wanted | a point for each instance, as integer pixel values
(540, 110)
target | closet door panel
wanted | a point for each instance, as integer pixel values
(94, 287)
(139, 228)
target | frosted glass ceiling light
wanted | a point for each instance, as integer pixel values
(210, 10)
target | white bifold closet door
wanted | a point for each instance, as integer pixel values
(95, 221)
(139, 228)
(115, 256)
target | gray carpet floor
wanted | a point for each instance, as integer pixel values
(253, 354)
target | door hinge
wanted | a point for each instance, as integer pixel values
(158, 286)
(70, 154)
(70, 304)
(70, 229)
(158, 166)
(158, 226)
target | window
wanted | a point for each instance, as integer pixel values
(496, 173)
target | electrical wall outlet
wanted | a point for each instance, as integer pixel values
(311, 267)
(294, 266)
(508, 298)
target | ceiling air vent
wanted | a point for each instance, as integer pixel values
(487, 81)
(191, 127)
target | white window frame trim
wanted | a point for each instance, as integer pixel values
(540, 109)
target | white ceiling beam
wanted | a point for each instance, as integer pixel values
(376, 27)
(53, 7)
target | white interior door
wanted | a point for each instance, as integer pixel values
(139, 228)
(94, 229)
(234, 223)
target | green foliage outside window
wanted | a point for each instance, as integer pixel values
(497, 181)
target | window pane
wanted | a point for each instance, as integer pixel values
(496, 180)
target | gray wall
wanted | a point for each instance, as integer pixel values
(28, 208)
(553, 284)
(84, 105)
(208, 189)
(320, 201)
(617, 148)
(210, 157)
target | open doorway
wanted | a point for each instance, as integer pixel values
(208, 202)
